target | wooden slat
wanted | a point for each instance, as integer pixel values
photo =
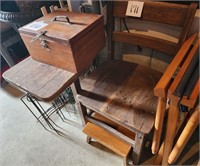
(107, 139)
(119, 128)
(168, 13)
(105, 120)
(146, 41)
(164, 83)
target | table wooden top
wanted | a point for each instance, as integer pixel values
(41, 80)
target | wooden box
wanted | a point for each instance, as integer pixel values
(66, 40)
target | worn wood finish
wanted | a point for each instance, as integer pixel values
(72, 51)
(41, 80)
(130, 90)
(107, 139)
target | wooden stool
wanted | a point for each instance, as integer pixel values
(108, 140)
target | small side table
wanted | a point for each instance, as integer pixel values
(40, 81)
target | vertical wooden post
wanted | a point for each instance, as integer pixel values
(69, 5)
(160, 113)
(52, 9)
(44, 11)
(139, 143)
(76, 89)
(62, 5)
(171, 128)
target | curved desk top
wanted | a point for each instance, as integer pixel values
(41, 80)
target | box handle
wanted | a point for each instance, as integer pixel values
(62, 19)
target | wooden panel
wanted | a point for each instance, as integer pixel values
(105, 120)
(129, 94)
(43, 81)
(57, 54)
(168, 13)
(146, 41)
(107, 139)
(126, 132)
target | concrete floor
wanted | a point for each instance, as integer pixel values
(24, 142)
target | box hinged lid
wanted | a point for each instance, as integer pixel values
(62, 26)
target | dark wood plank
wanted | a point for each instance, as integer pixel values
(146, 41)
(168, 13)
(128, 92)
(41, 80)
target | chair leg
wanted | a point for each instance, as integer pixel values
(125, 160)
(170, 130)
(88, 139)
(137, 150)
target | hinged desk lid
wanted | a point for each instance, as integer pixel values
(64, 26)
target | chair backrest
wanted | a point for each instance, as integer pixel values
(166, 14)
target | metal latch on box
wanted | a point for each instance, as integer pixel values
(43, 41)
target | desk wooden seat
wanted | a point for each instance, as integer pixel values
(131, 78)
(43, 81)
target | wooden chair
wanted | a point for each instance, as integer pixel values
(122, 91)
(184, 91)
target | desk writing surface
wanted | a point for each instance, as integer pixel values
(123, 95)
(41, 80)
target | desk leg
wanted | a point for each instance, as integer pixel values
(137, 150)
(76, 89)
(171, 129)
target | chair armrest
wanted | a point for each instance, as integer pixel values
(162, 86)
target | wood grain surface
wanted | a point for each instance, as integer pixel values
(41, 80)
